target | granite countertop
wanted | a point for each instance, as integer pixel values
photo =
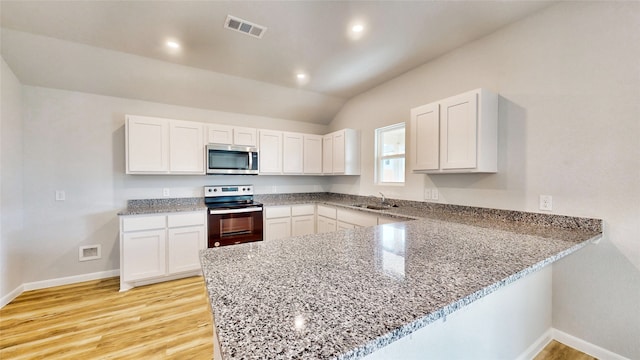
(156, 206)
(345, 294)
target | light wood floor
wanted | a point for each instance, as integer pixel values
(92, 320)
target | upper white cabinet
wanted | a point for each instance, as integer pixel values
(312, 162)
(327, 154)
(270, 156)
(293, 154)
(343, 148)
(231, 135)
(147, 144)
(456, 135)
(163, 146)
(186, 147)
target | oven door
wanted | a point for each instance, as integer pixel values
(234, 226)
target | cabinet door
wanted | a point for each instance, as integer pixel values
(344, 226)
(186, 147)
(277, 228)
(219, 134)
(303, 225)
(326, 225)
(147, 145)
(184, 246)
(292, 153)
(245, 136)
(458, 134)
(339, 152)
(312, 154)
(327, 154)
(270, 156)
(144, 255)
(424, 133)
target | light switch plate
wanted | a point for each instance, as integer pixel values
(434, 194)
(166, 192)
(427, 194)
(60, 195)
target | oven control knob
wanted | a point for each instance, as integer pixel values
(244, 189)
(215, 190)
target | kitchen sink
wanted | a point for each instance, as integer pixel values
(374, 207)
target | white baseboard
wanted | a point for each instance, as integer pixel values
(70, 280)
(12, 295)
(585, 346)
(56, 282)
(537, 346)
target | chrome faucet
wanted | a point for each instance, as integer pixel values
(383, 200)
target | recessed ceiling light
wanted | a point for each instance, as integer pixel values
(173, 45)
(301, 76)
(357, 28)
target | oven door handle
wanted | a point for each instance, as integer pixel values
(235, 211)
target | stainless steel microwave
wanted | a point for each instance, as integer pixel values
(231, 160)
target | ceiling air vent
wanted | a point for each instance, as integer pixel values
(245, 27)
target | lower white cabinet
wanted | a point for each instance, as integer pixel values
(325, 224)
(289, 220)
(344, 226)
(156, 248)
(277, 228)
(303, 225)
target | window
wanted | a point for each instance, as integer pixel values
(390, 154)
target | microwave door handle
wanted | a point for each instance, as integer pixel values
(250, 160)
(234, 211)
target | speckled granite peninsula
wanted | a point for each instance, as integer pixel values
(349, 293)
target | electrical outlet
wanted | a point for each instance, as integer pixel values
(546, 203)
(427, 194)
(434, 194)
(60, 195)
(274, 189)
(166, 192)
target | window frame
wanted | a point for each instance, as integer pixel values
(379, 157)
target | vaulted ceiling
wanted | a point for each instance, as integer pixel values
(118, 48)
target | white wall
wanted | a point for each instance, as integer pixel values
(11, 269)
(569, 80)
(75, 142)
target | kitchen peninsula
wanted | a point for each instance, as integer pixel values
(349, 294)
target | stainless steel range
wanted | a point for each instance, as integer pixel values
(234, 217)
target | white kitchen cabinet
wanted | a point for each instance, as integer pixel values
(388, 220)
(219, 134)
(293, 157)
(163, 146)
(184, 247)
(186, 147)
(465, 129)
(341, 225)
(326, 219)
(277, 222)
(425, 137)
(270, 157)
(325, 224)
(244, 136)
(157, 248)
(312, 154)
(143, 255)
(358, 218)
(303, 219)
(277, 228)
(147, 145)
(344, 153)
(231, 135)
(327, 154)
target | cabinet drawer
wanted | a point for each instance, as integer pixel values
(297, 210)
(357, 218)
(327, 211)
(187, 219)
(137, 223)
(272, 212)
